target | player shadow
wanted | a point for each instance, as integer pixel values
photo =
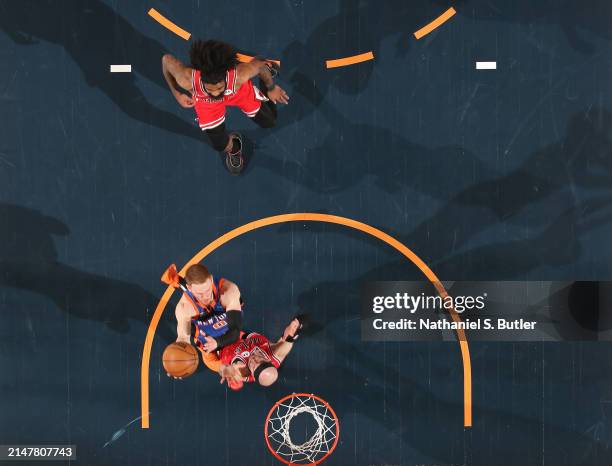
(332, 167)
(356, 28)
(28, 22)
(28, 261)
(548, 179)
(85, 28)
(556, 245)
(582, 159)
(361, 26)
(572, 16)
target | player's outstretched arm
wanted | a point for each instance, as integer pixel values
(261, 68)
(230, 296)
(183, 322)
(183, 327)
(285, 343)
(230, 373)
(178, 76)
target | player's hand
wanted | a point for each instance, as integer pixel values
(175, 378)
(273, 67)
(291, 329)
(184, 100)
(210, 345)
(226, 372)
(277, 95)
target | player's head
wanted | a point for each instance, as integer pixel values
(265, 374)
(213, 58)
(263, 370)
(200, 283)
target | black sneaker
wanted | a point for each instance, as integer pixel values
(234, 161)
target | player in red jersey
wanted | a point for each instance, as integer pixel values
(216, 81)
(254, 359)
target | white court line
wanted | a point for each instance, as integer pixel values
(121, 68)
(486, 65)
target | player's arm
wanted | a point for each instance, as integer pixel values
(229, 372)
(230, 300)
(178, 77)
(230, 296)
(261, 68)
(183, 322)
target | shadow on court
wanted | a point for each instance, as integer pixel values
(68, 23)
(582, 159)
(333, 166)
(28, 261)
(573, 17)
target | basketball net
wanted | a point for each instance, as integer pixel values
(320, 444)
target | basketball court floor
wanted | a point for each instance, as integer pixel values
(485, 174)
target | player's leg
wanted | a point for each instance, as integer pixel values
(219, 138)
(211, 118)
(230, 144)
(266, 116)
(256, 106)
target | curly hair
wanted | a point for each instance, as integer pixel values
(213, 58)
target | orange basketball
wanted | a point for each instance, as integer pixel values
(180, 359)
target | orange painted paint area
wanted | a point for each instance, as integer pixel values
(444, 17)
(165, 22)
(338, 62)
(305, 217)
(247, 58)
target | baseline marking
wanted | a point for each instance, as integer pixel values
(121, 68)
(486, 65)
(444, 17)
(305, 217)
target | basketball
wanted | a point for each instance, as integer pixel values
(180, 359)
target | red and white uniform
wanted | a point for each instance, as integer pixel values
(211, 110)
(254, 343)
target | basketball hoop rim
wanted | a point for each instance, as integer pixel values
(309, 395)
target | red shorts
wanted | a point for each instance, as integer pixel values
(211, 112)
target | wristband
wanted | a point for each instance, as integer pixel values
(270, 88)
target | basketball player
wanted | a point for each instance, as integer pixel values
(215, 81)
(254, 359)
(213, 307)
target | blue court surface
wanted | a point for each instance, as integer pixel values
(501, 174)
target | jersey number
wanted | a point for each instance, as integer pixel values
(219, 324)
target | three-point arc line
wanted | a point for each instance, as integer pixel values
(349, 60)
(305, 217)
(436, 23)
(333, 63)
(165, 22)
